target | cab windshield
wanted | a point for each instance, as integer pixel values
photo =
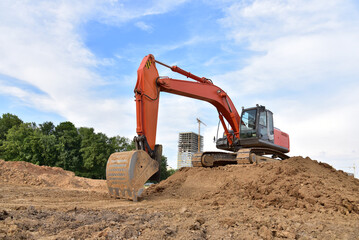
(248, 124)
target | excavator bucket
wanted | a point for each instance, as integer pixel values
(127, 172)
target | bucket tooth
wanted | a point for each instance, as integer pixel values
(127, 172)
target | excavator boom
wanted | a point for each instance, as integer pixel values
(147, 93)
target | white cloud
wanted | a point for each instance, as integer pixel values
(260, 21)
(308, 48)
(41, 46)
(143, 26)
(304, 67)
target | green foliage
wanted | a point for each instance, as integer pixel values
(79, 150)
(47, 128)
(121, 144)
(49, 151)
(23, 143)
(171, 171)
(16, 146)
(95, 150)
(163, 169)
(68, 146)
(7, 121)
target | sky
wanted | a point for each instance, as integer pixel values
(77, 61)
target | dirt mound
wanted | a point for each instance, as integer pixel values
(291, 184)
(294, 183)
(294, 199)
(30, 174)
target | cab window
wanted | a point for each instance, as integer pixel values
(263, 119)
(248, 124)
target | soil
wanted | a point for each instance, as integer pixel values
(297, 198)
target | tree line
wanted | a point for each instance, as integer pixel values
(80, 150)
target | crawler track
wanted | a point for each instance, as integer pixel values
(243, 156)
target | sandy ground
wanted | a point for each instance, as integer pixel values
(294, 199)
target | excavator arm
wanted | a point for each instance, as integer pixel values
(147, 93)
(126, 172)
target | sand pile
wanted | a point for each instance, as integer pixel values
(30, 174)
(294, 183)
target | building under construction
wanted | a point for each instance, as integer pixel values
(187, 146)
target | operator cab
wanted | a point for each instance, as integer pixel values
(256, 130)
(257, 122)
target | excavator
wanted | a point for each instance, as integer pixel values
(250, 138)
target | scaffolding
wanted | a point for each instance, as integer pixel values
(187, 146)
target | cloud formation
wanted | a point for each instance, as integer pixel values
(41, 45)
(304, 67)
(299, 58)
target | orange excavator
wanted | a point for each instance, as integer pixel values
(251, 137)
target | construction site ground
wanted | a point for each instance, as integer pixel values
(297, 198)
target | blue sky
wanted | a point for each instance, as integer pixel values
(77, 61)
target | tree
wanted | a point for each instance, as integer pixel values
(47, 128)
(7, 121)
(79, 150)
(94, 151)
(163, 169)
(68, 146)
(171, 171)
(120, 144)
(22, 144)
(49, 150)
